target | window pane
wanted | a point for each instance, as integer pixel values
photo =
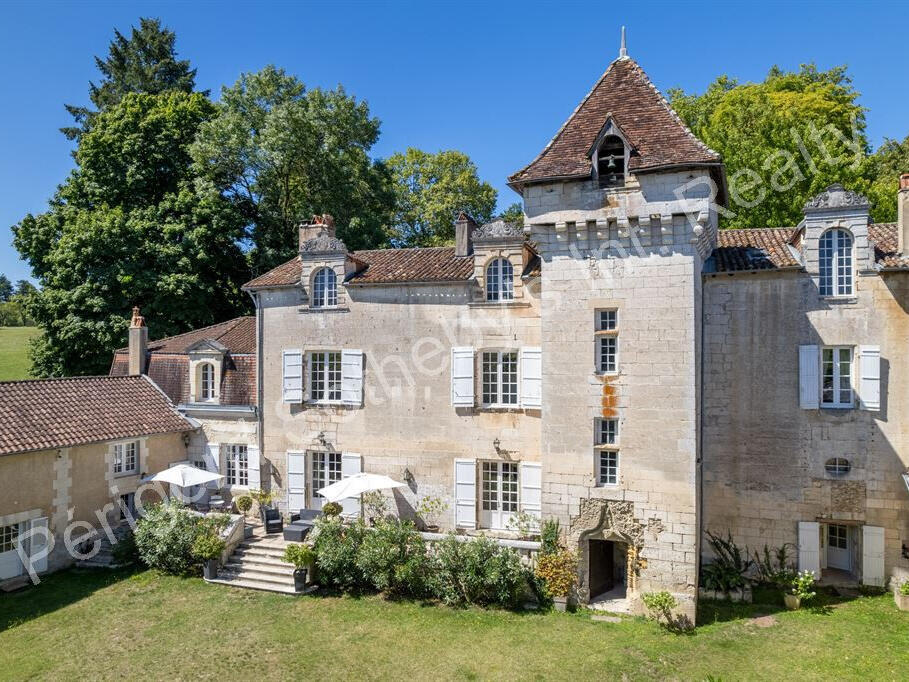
(490, 488)
(334, 376)
(607, 320)
(607, 359)
(510, 378)
(8, 536)
(509, 486)
(317, 376)
(609, 467)
(490, 378)
(608, 432)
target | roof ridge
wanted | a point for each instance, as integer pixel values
(401, 248)
(571, 116)
(75, 378)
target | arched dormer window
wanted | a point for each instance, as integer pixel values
(325, 289)
(836, 275)
(206, 381)
(500, 280)
(611, 162)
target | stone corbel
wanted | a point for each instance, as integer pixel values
(602, 228)
(666, 223)
(622, 222)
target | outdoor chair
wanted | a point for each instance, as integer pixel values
(271, 519)
(301, 524)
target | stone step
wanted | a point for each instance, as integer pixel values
(237, 581)
(259, 552)
(256, 560)
(261, 567)
(286, 581)
(263, 544)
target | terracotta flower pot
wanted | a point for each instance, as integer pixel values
(792, 601)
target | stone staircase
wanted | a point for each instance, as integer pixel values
(258, 564)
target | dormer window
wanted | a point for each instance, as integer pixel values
(836, 263)
(500, 280)
(325, 289)
(611, 162)
(206, 381)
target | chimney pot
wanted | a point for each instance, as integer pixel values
(316, 226)
(904, 181)
(902, 212)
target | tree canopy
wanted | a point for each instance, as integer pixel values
(6, 288)
(883, 170)
(782, 140)
(146, 62)
(131, 226)
(431, 189)
(280, 153)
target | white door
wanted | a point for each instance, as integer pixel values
(498, 493)
(838, 549)
(10, 564)
(296, 481)
(326, 469)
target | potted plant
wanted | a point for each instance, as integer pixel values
(332, 509)
(559, 573)
(802, 590)
(428, 509)
(901, 595)
(302, 557)
(375, 506)
(208, 547)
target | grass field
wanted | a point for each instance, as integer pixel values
(14, 352)
(118, 625)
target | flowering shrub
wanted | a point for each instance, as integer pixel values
(802, 586)
(336, 546)
(478, 572)
(558, 571)
(165, 536)
(393, 559)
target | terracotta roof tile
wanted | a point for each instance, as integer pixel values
(385, 266)
(656, 133)
(886, 242)
(754, 249)
(54, 413)
(237, 335)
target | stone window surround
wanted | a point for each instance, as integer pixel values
(484, 254)
(499, 405)
(310, 266)
(113, 457)
(837, 405)
(601, 447)
(196, 360)
(308, 382)
(328, 292)
(839, 227)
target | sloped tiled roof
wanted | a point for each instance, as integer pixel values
(654, 130)
(385, 266)
(41, 414)
(237, 335)
(754, 249)
(886, 242)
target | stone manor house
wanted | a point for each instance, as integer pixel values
(617, 362)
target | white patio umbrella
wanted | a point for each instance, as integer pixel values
(357, 484)
(184, 476)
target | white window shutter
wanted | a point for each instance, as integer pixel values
(254, 471)
(532, 377)
(809, 377)
(293, 375)
(352, 377)
(351, 463)
(211, 455)
(531, 474)
(873, 555)
(810, 547)
(38, 544)
(462, 376)
(465, 493)
(296, 481)
(870, 377)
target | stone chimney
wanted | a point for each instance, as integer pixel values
(317, 225)
(902, 212)
(138, 343)
(464, 227)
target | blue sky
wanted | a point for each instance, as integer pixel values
(494, 80)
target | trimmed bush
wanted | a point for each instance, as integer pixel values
(478, 572)
(336, 547)
(393, 559)
(559, 572)
(332, 509)
(165, 537)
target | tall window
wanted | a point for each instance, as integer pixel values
(8, 537)
(499, 493)
(237, 460)
(836, 376)
(611, 162)
(836, 263)
(500, 280)
(607, 341)
(207, 381)
(500, 378)
(326, 469)
(325, 289)
(126, 458)
(325, 376)
(606, 450)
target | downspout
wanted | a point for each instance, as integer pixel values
(260, 419)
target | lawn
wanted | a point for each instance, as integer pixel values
(14, 352)
(117, 625)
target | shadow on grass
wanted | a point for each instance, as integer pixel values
(422, 602)
(55, 591)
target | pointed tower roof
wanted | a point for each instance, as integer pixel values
(658, 138)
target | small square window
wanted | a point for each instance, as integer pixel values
(608, 432)
(608, 467)
(607, 320)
